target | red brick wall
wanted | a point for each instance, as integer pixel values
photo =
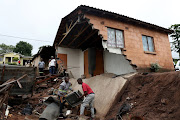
(133, 42)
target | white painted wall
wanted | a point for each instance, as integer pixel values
(116, 63)
(35, 62)
(75, 60)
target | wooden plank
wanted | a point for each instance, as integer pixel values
(19, 84)
(86, 71)
(68, 32)
(70, 25)
(67, 29)
(78, 35)
(99, 63)
(91, 34)
(13, 80)
(8, 80)
(5, 88)
(46, 79)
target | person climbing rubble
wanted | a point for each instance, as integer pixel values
(41, 66)
(89, 94)
(64, 87)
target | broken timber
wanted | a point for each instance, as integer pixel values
(4, 93)
(40, 81)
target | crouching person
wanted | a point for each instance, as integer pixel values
(63, 90)
(89, 94)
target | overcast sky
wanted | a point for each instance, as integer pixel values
(40, 19)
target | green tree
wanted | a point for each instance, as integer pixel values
(176, 38)
(6, 48)
(23, 48)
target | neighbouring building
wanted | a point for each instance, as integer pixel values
(45, 53)
(92, 41)
(12, 58)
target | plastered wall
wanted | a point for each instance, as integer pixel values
(75, 60)
(116, 63)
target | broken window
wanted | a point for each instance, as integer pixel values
(115, 38)
(148, 43)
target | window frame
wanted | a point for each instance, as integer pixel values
(148, 43)
(115, 37)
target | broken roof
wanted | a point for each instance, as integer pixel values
(106, 14)
(45, 51)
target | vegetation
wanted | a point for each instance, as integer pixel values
(23, 48)
(12, 63)
(15, 59)
(155, 67)
(176, 38)
(6, 48)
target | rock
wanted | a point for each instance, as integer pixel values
(128, 98)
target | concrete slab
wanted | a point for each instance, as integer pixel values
(106, 89)
(51, 112)
(127, 76)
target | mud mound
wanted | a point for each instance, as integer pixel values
(154, 97)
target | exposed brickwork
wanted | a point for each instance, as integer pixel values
(133, 42)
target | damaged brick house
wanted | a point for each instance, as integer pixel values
(92, 41)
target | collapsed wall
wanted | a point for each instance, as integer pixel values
(106, 91)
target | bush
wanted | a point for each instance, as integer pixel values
(15, 59)
(155, 67)
(12, 63)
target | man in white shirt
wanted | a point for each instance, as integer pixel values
(52, 65)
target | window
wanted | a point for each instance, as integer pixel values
(115, 38)
(148, 43)
(1, 59)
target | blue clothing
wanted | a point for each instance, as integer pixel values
(52, 70)
(41, 64)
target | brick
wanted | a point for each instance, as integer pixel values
(133, 42)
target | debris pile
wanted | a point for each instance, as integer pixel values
(31, 107)
(153, 96)
(4, 95)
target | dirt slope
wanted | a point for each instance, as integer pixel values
(154, 96)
